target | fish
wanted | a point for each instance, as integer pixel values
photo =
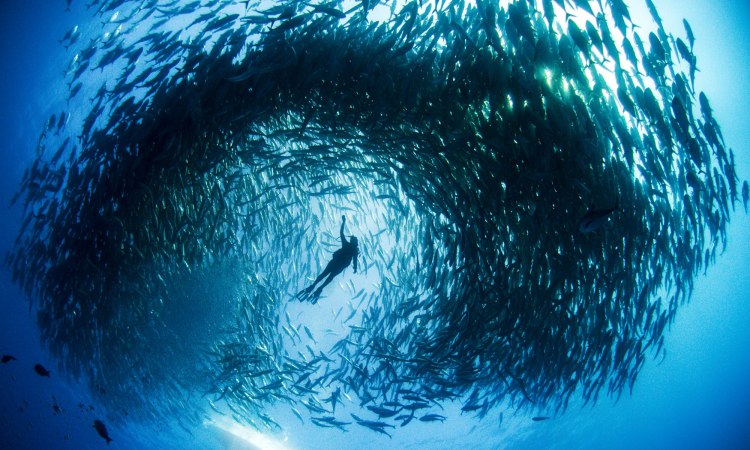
(689, 32)
(373, 425)
(595, 218)
(41, 371)
(654, 13)
(331, 11)
(383, 412)
(330, 422)
(102, 430)
(432, 418)
(539, 418)
(579, 38)
(657, 49)
(685, 53)
(595, 36)
(334, 399)
(8, 358)
(220, 22)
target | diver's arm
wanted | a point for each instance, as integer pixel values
(343, 238)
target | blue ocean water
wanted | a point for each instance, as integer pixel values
(697, 397)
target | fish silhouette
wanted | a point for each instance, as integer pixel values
(595, 218)
(102, 430)
(41, 370)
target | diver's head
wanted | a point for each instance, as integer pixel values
(354, 241)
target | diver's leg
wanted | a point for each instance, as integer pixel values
(325, 283)
(323, 275)
(327, 271)
(306, 292)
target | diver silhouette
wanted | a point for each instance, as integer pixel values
(341, 259)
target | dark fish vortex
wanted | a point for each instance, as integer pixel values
(168, 227)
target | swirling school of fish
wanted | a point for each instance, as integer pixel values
(169, 220)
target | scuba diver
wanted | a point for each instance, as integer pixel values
(341, 259)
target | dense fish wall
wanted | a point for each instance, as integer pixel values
(477, 148)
